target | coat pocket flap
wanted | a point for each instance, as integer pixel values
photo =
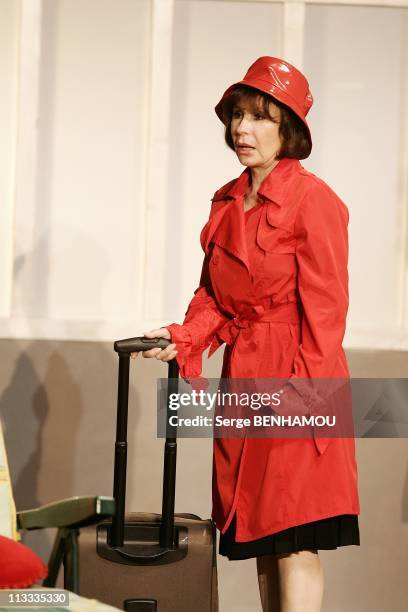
(274, 235)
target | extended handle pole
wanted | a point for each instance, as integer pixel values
(119, 478)
(170, 465)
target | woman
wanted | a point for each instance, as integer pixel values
(274, 288)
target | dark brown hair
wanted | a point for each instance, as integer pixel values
(293, 134)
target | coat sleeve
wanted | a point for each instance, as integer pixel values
(202, 320)
(322, 256)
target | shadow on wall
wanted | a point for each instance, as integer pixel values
(40, 434)
(31, 419)
(24, 408)
(54, 411)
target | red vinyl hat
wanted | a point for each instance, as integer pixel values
(280, 80)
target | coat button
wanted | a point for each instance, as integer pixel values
(253, 346)
(215, 259)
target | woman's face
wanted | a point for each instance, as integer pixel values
(255, 136)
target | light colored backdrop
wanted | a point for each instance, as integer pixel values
(109, 155)
(112, 151)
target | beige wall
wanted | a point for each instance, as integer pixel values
(60, 427)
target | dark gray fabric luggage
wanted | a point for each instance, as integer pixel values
(144, 562)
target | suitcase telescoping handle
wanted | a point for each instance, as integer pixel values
(124, 348)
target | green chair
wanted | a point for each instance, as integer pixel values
(68, 516)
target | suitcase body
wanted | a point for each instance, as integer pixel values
(143, 562)
(189, 584)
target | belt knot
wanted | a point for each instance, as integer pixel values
(283, 312)
(241, 320)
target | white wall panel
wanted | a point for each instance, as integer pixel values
(85, 263)
(355, 59)
(214, 45)
(8, 96)
(109, 154)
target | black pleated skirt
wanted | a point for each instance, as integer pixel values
(325, 534)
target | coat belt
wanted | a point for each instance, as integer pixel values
(286, 312)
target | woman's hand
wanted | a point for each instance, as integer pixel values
(163, 354)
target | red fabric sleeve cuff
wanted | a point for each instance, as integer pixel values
(189, 360)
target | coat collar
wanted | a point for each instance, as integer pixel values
(226, 226)
(272, 188)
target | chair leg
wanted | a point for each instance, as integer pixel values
(56, 557)
(71, 561)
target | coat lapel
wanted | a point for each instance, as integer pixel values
(226, 225)
(277, 220)
(275, 189)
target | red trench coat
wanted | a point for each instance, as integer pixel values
(300, 289)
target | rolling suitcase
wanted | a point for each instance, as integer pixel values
(144, 562)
